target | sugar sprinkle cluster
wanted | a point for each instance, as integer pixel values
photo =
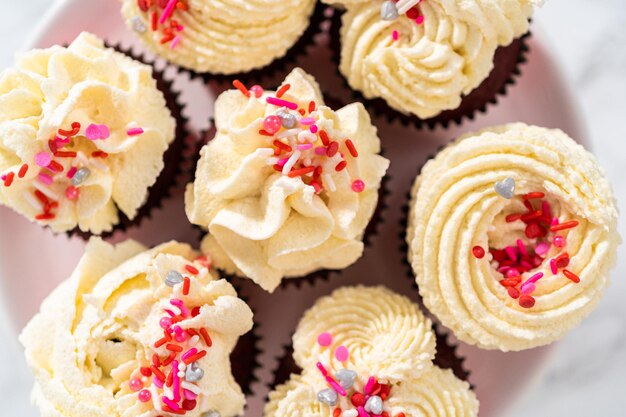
(162, 18)
(392, 9)
(544, 232)
(170, 380)
(298, 147)
(346, 395)
(63, 163)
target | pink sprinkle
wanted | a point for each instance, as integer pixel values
(553, 267)
(313, 129)
(526, 265)
(43, 159)
(157, 382)
(503, 270)
(535, 278)
(165, 322)
(179, 303)
(71, 172)
(559, 241)
(511, 253)
(554, 221)
(44, 178)
(512, 273)
(324, 339)
(134, 131)
(175, 42)
(369, 385)
(304, 146)
(189, 395)
(420, 19)
(545, 209)
(95, 132)
(395, 35)
(189, 353)
(144, 396)
(281, 103)
(522, 247)
(171, 404)
(528, 289)
(135, 384)
(358, 186)
(281, 162)
(320, 150)
(257, 90)
(170, 312)
(542, 248)
(169, 9)
(307, 121)
(342, 354)
(71, 192)
(334, 385)
(322, 368)
(175, 381)
(3, 177)
(362, 412)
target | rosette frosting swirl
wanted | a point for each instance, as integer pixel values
(566, 244)
(289, 202)
(83, 130)
(426, 68)
(368, 351)
(219, 36)
(92, 346)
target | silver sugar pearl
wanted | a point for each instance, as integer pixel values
(194, 373)
(212, 413)
(388, 10)
(374, 405)
(80, 176)
(288, 120)
(506, 188)
(346, 378)
(327, 396)
(172, 278)
(138, 25)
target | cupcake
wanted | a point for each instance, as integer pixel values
(512, 233)
(430, 61)
(368, 352)
(84, 131)
(227, 37)
(287, 186)
(136, 332)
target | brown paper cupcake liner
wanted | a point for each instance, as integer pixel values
(507, 67)
(174, 168)
(446, 357)
(277, 66)
(244, 359)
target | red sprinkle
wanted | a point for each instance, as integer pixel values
(282, 90)
(154, 21)
(173, 347)
(513, 292)
(324, 138)
(526, 301)
(145, 371)
(186, 284)
(70, 133)
(513, 217)
(55, 166)
(572, 276)
(533, 196)
(157, 372)
(357, 399)
(311, 107)
(478, 252)
(302, 171)
(99, 154)
(23, 171)
(9, 179)
(206, 337)
(564, 226)
(192, 269)
(336, 412)
(282, 146)
(239, 86)
(333, 147)
(351, 148)
(65, 154)
(341, 166)
(193, 358)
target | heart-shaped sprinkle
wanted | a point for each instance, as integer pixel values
(95, 132)
(138, 25)
(327, 396)
(194, 372)
(173, 278)
(388, 10)
(505, 188)
(374, 405)
(346, 378)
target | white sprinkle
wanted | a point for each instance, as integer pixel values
(328, 180)
(194, 340)
(47, 191)
(271, 161)
(191, 387)
(181, 366)
(307, 136)
(30, 198)
(181, 374)
(288, 133)
(291, 162)
(156, 402)
(405, 5)
(264, 152)
(203, 273)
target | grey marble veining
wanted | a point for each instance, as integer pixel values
(587, 376)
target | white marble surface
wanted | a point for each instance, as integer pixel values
(588, 374)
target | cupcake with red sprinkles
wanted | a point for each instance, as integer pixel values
(430, 62)
(288, 186)
(365, 352)
(85, 133)
(223, 37)
(136, 332)
(512, 234)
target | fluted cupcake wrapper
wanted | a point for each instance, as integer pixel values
(277, 66)
(170, 177)
(507, 67)
(244, 359)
